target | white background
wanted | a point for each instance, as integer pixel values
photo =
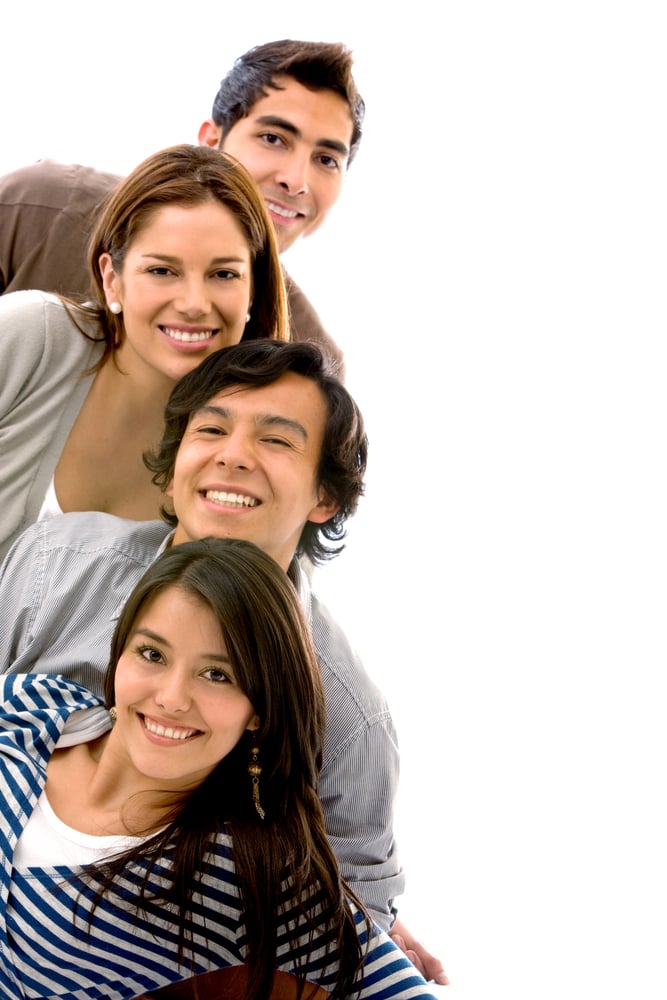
(495, 272)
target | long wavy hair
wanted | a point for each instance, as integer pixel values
(269, 646)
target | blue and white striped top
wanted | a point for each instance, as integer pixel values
(62, 588)
(46, 950)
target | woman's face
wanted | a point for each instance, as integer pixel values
(185, 288)
(179, 708)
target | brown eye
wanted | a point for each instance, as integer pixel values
(150, 653)
(217, 675)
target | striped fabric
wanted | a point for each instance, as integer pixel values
(61, 589)
(46, 951)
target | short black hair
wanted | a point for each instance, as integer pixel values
(316, 65)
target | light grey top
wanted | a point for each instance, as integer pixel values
(42, 358)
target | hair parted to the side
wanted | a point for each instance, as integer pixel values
(188, 175)
(342, 464)
(316, 65)
(274, 663)
(254, 603)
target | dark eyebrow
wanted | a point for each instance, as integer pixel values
(150, 634)
(273, 121)
(168, 259)
(263, 419)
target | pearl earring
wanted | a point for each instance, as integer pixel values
(115, 308)
(247, 317)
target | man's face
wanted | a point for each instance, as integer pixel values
(247, 466)
(295, 143)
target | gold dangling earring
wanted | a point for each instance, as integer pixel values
(254, 770)
(113, 714)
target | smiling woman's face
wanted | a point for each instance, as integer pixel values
(179, 709)
(185, 288)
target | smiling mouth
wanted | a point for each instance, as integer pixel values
(284, 213)
(168, 732)
(230, 499)
(185, 337)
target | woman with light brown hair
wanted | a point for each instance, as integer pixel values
(183, 261)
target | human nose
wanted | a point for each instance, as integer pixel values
(235, 451)
(293, 173)
(193, 300)
(173, 694)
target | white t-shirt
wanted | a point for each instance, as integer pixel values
(50, 507)
(47, 841)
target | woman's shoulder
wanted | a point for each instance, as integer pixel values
(28, 301)
(32, 320)
(35, 307)
(35, 710)
(38, 692)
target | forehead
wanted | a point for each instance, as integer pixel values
(291, 397)
(316, 114)
(172, 220)
(172, 604)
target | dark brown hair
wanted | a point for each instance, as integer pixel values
(274, 663)
(316, 65)
(342, 464)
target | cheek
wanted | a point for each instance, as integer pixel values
(177, 484)
(140, 299)
(260, 164)
(231, 719)
(182, 464)
(191, 459)
(329, 194)
(234, 311)
(128, 683)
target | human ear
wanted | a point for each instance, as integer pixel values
(210, 134)
(110, 280)
(324, 509)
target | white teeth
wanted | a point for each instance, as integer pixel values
(185, 337)
(287, 213)
(172, 734)
(231, 499)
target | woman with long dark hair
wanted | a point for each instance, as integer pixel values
(176, 829)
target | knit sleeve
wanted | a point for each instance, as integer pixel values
(43, 361)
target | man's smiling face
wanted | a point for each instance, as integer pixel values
(295, 143)
(247, 466)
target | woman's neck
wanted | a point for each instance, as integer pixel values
(91, 789)
(101, 466)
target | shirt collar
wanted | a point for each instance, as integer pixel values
(300, 580)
